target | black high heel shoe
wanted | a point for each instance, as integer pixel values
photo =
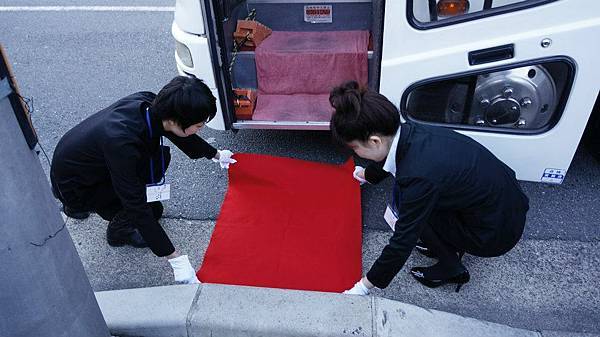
(459, 279)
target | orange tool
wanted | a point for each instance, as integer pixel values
(250, 33)
(244, 101)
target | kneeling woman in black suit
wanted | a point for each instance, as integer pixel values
(451, 195)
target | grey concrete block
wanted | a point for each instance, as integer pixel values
(392, 319)
(149, 312)
(247, 312)
(44, 288)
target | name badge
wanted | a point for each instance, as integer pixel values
(390, 218)
(158, 192)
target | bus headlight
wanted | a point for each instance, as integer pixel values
(184, 54)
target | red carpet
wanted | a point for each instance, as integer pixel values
(287, 223)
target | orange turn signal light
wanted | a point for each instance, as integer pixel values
(452, 7)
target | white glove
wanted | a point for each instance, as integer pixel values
(225, 159)
(183, 271)
(358, 289)
(357, 170)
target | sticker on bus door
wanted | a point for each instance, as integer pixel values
(318, 14)
(553, 176)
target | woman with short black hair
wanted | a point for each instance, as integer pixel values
(113, 162)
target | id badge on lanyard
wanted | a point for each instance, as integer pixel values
(157, 191)
(391, 212)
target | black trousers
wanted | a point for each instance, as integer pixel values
(103, 200)
(466, 235)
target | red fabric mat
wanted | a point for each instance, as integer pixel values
(296, 108)
(287, 223)
(296, 71)
(311, 62)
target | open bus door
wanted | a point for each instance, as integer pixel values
(333, 29)
(520, 77)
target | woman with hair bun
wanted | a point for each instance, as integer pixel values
(451, 195)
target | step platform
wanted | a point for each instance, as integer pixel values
(293, 108)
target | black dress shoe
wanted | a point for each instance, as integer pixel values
(422, 248)
(459, 278)
(75, 214)
(134, 239)
(121, 231)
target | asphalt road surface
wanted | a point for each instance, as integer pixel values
(74, 63)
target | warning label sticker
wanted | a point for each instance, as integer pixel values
(318, 13)
(554, 176)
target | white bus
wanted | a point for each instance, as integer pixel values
(519, 76)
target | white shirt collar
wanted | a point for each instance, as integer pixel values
(390, 160)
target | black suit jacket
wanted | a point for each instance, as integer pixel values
(439, 170)
(110, 147)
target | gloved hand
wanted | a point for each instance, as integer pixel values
(359, 289)
(225, 158)
(183, 271)
(359, 174)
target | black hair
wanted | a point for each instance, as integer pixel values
(186, 101)
(360, 113)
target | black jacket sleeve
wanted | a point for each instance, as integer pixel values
(193, 146)
(123, 157)
(374, 173)
(417, 198)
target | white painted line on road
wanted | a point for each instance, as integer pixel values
(86, 9)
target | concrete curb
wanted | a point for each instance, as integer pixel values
(553, 333)
(157, 311)
(222, 310)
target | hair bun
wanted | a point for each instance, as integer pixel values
(347, 98)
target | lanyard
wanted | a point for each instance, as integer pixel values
(394, 206)
(162, 155)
